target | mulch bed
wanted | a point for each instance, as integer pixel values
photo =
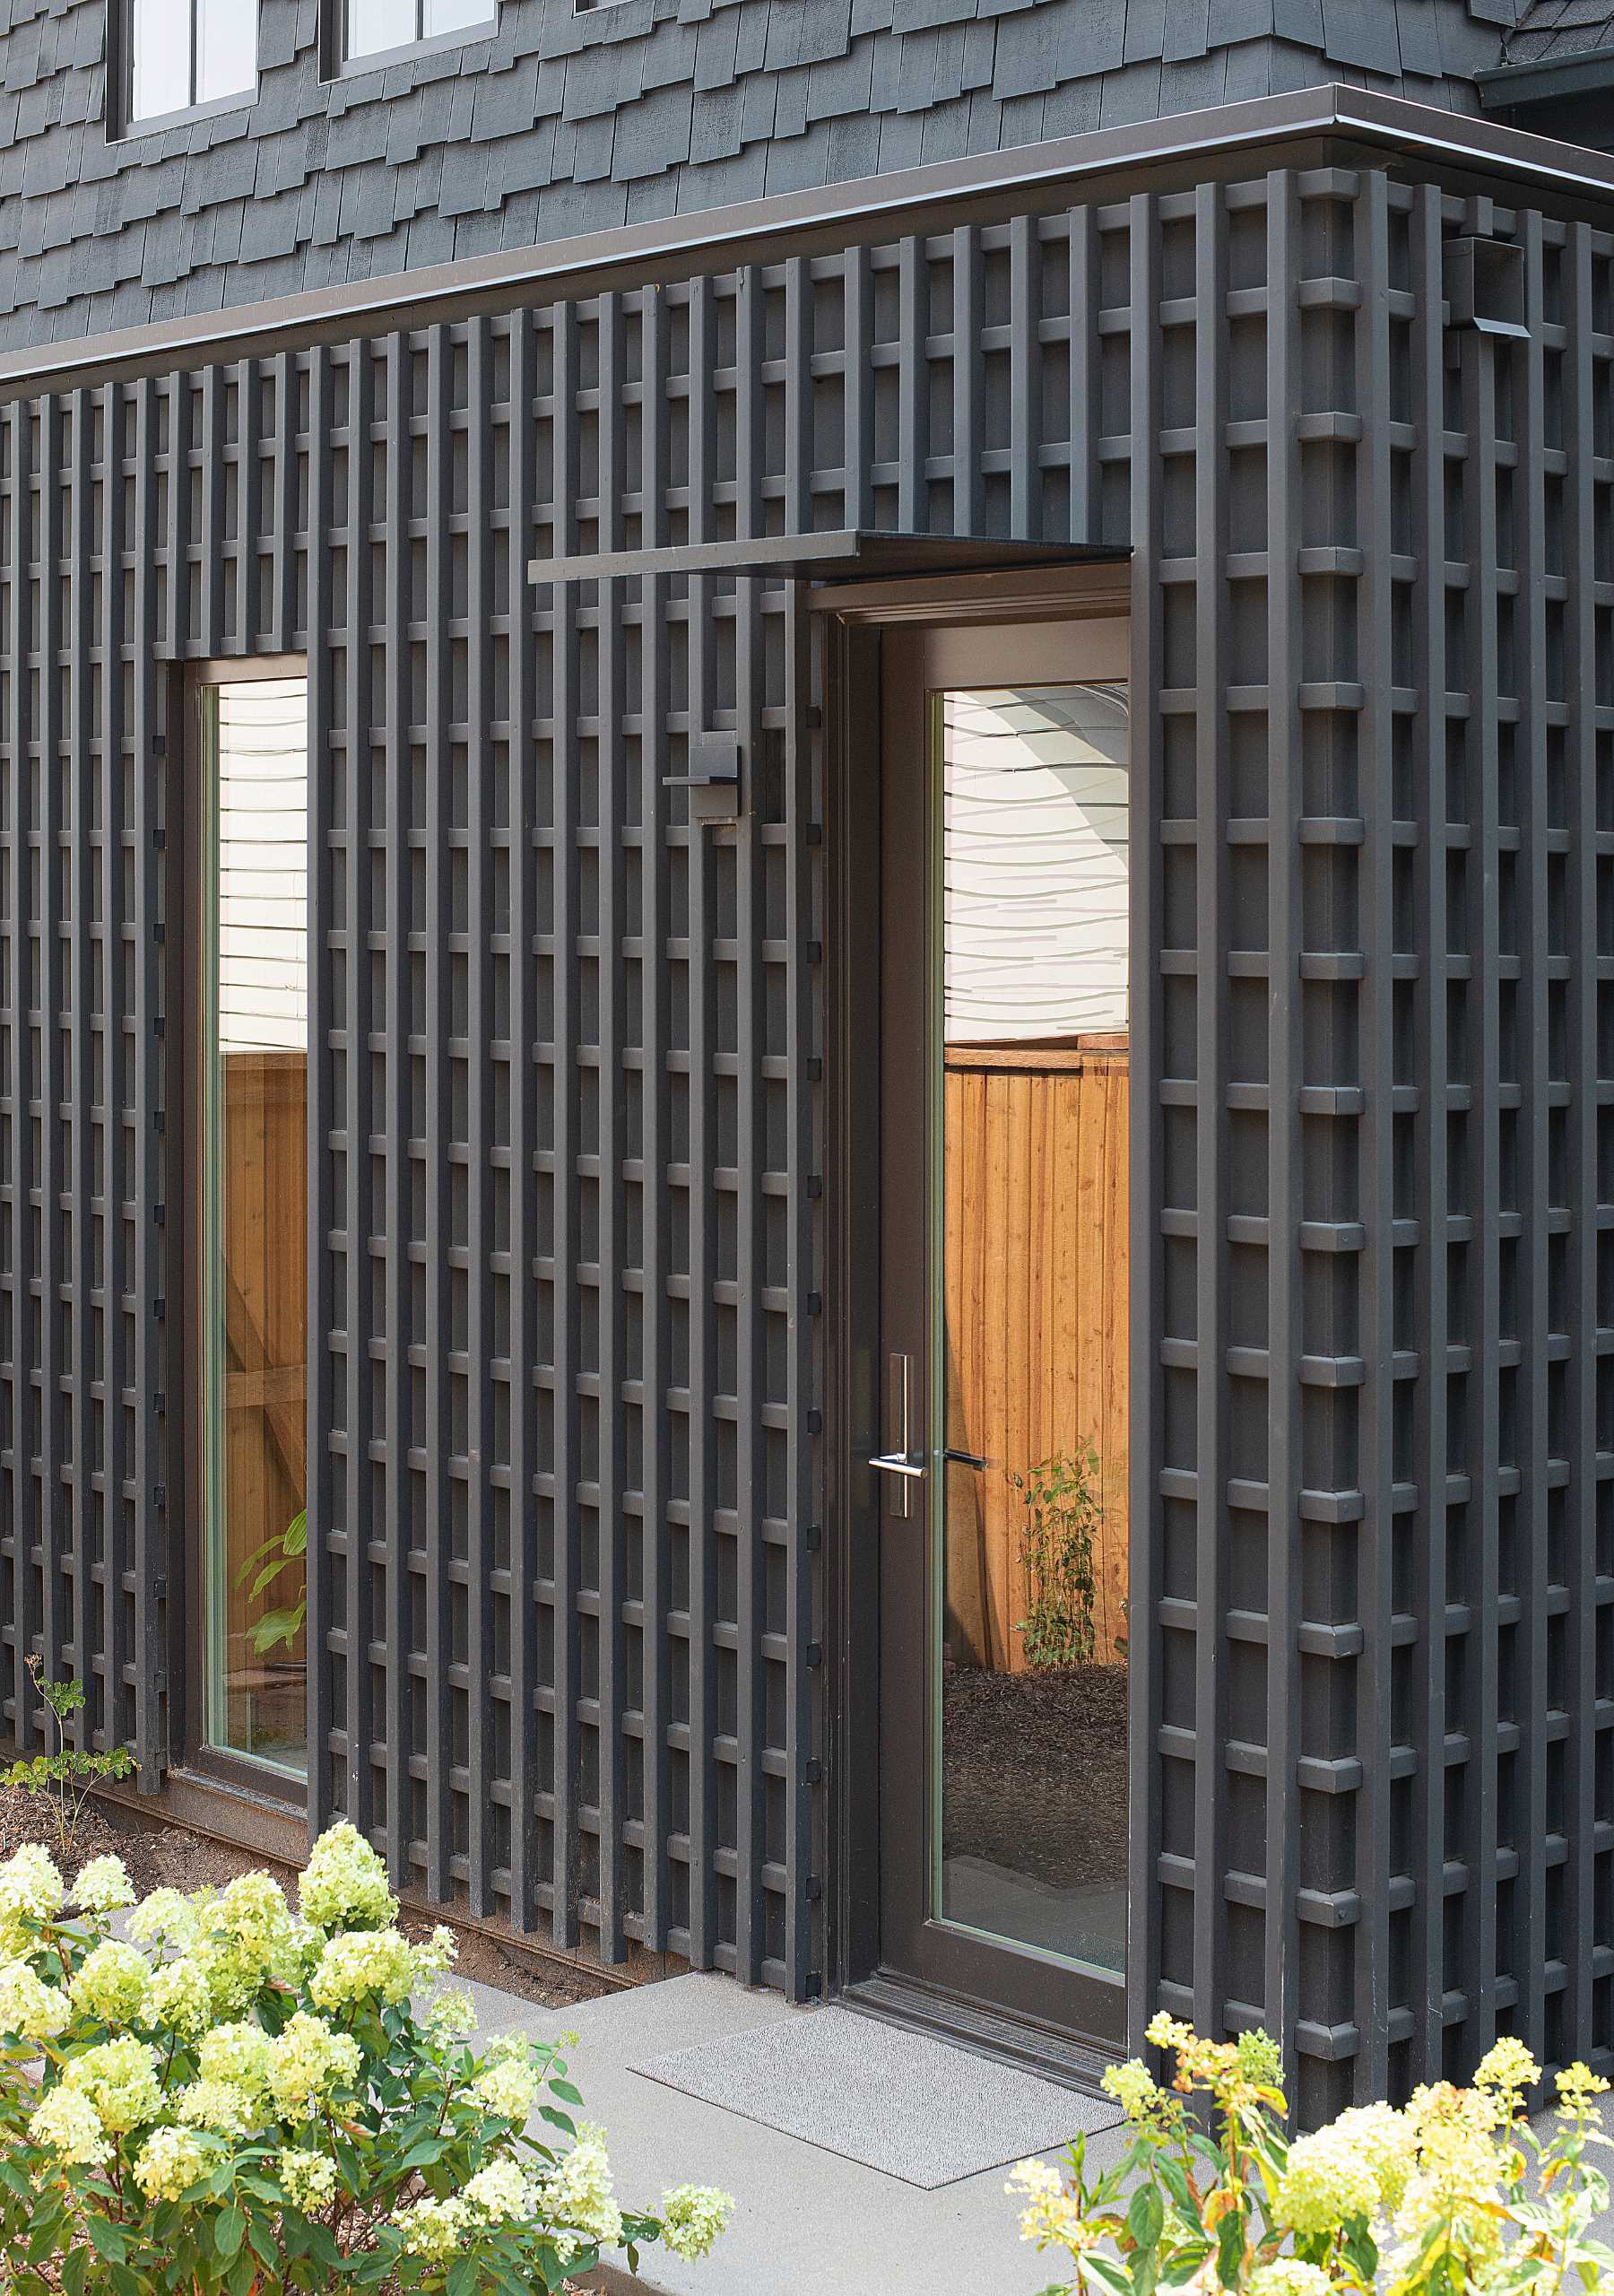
(1034, 1772)
(170, 1857)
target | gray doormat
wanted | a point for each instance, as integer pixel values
(901, 2102)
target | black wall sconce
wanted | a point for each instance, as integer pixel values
(713, 780)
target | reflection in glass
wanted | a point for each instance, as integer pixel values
(254, 1210)
(226, 48)
(1032, 1781)
(160, 58)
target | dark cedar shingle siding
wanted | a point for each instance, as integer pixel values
(563, 122)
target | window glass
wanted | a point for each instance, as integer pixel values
(373, 26)
(456, 15)
(159, 60)
(226, 48)
(254, 1215)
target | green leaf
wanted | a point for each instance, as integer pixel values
(1146, 2216)
(1185, 2263)
(230, 2232)
(565, 2092)
(464, 2277)
(107, 2238)
(1230, 2249)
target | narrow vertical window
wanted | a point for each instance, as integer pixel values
(253, 1205)
(176, 54)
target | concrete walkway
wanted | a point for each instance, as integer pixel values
(809, 2223)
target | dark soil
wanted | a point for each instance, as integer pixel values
(170, 1857)
(1034, 1772)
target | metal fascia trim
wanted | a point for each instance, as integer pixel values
(1584, 73)
(847, 552)
(404, 298)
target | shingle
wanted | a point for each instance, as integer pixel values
(1360, 32)
(714, 125)
(715, 44)
(654, 135)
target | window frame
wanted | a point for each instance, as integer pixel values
(185, 955)
(123, 122)
(337, 63)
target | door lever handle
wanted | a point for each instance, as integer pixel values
(901, 1462)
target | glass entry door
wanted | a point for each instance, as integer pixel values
(1004, 1265)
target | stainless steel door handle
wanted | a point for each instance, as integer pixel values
(902, 1462)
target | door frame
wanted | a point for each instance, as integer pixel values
(854, 616)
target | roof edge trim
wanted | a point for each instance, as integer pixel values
(406, 299)
(1584, 74)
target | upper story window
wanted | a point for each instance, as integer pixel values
(374, 28)
(178, 53)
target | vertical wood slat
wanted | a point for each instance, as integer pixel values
(1286, 804)
(699, 930)
(480, 925)
(1211, 1450)
(1581, 1317)
(1145, 1175)
(130, 434)
(1428, 478)
(396, 1639)
(24, 1610)
(435, 925)
(48, 965)
(326, 859)
(610, 1670)
(1534, 1172)
(1375, 1400)
(155, 817)
(1482, 1786)
(653, 1436)
(367, 1298)
(524, 1147)
(562, 1241)
(85, 765)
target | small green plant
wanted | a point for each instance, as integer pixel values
(1063, 1515)
(233, 2099)
(1451, 2195)
(61, 1778)
(263, 1567)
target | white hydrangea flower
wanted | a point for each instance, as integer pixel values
(119, 2077)
(249, 1940)
(451, 2017)
(434, 2230)
(306, 2061)
(1287, 2276)
(508, 2088)
(1051, 2215)
(579, 2189)
(1327, 2178)
(1385, 2140)
(309, 2180)
(181, 1999)
(169, 2162)
(31, 1890)
(103, 1886)
(693, 2216)
(344, 1884)
(29, 2009)
(217, 2104)
(499, 2191)
(66, 2123)
(361, 1965)
(241, 2054)
(168, 1917)
(437, 1955)
(112, 1983)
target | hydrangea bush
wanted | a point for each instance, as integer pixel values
(233, 2099)
(1453, 2192)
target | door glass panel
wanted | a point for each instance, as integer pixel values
(1029, 1829)
(254, 1213)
